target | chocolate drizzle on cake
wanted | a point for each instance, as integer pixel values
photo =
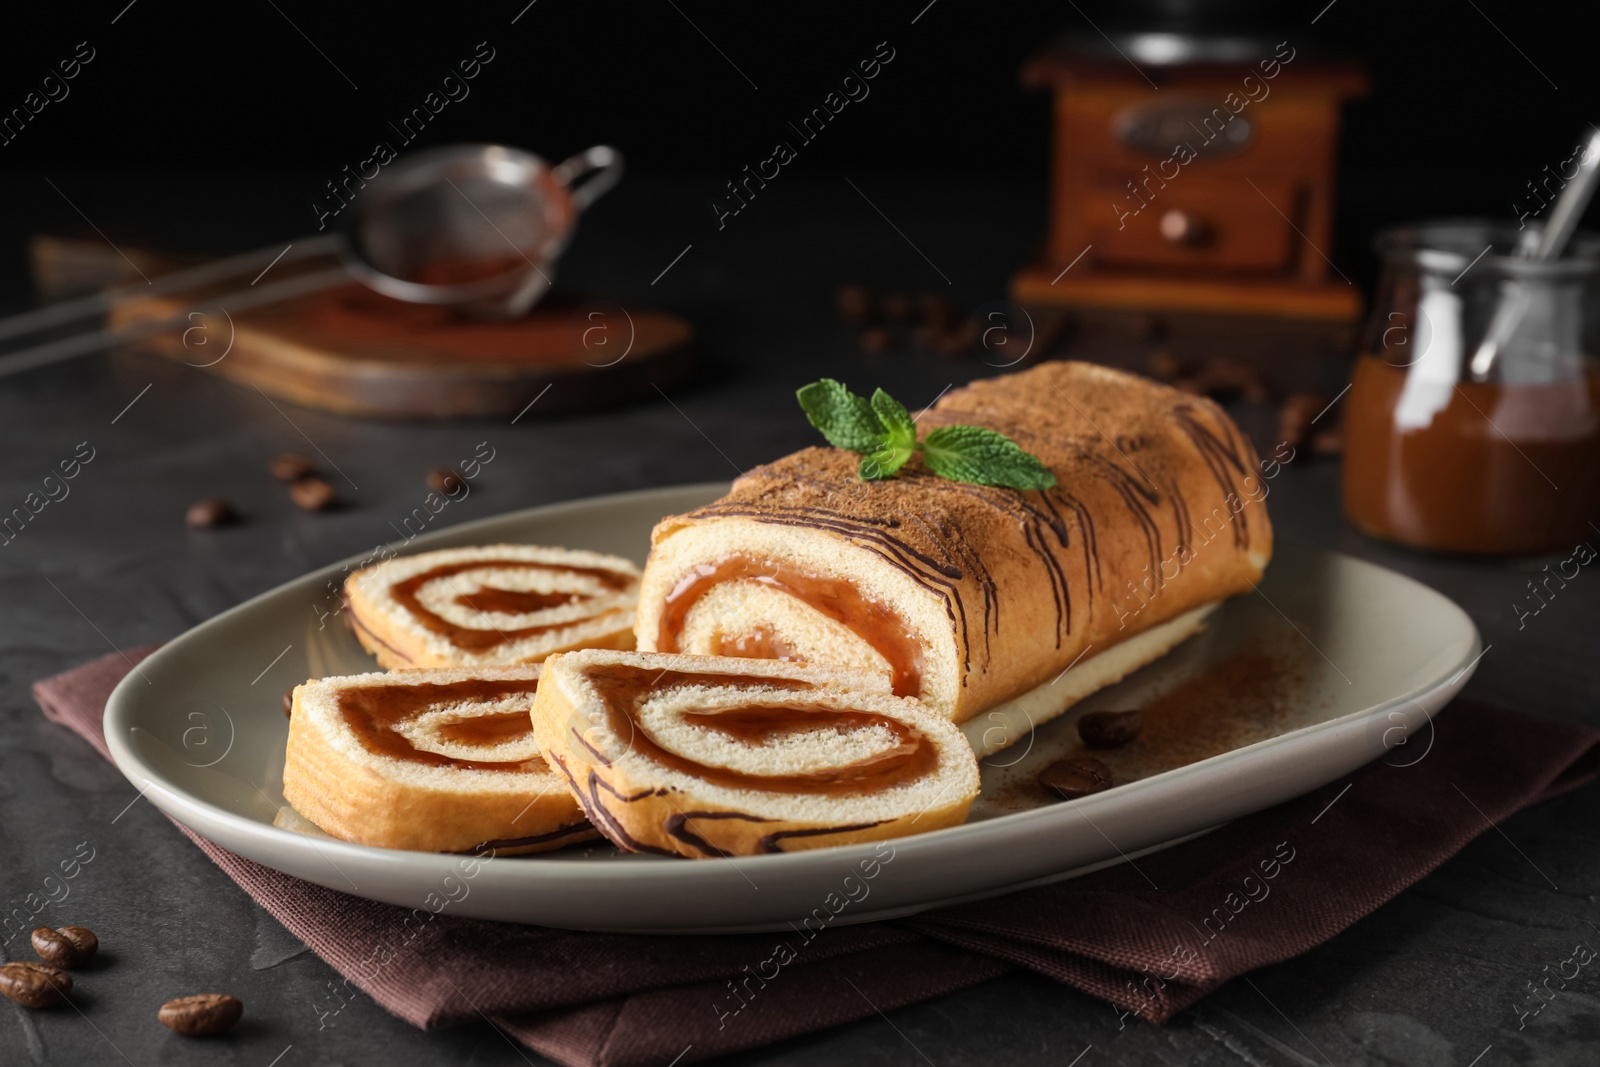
(1141, 496)
(1225, 457)
(588, 794)
(770, 842)
(356, 624)
(578, 828)
(677, 825)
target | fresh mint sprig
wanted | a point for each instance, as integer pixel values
(881, 430)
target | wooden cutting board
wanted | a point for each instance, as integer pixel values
(355, 352)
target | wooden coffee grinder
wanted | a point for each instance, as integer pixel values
(1193, 168)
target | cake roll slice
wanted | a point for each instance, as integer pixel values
(997, 607)
(491, 605)
(717, 756)
(435, 761)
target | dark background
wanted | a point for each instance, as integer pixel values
(208, 128)
(1458, 119)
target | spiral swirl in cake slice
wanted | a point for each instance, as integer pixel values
(719, 756)
(430, 760)
(491, 605)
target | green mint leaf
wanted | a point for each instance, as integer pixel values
(985, 457)
(899, 442)
(845, 419)
(884, 461)
(895, 418)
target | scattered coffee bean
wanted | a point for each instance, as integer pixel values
(1294, 418)
(898, 308)
(1222, 378)
(856, 306)
(1075, 777)
(1053, 330)
(444, 479)
(1165, 364)
(201, 1014)
(937, 311)
(876, 341)
(928, 338)
(962, 341)
(1329, 442)
(66, 947)
(86, 940)
(1109, 729)
(292, 466)
(212, 511)
(35, 985)
(288, 703)
(311, 494)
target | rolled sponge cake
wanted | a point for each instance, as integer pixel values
(431, 760)
(491, 605)
(974, 597)
(715, 756)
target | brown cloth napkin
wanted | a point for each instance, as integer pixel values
(1152, 936)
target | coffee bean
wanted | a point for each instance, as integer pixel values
(83, 937)
(288, 703)
(444, 479)
(66, 947)
(962, 340)
(876, 341)
(1109, 729)
(35, 985)
(898, 308)
(1294, 418)
(928, 338)
(1329, 442)
(1075, 777)
(88, 944)
(1223, 378)
(201, 1014)
(292, 466)
(311, 494)
(1054, 332)
(212, 511)
(937, 311)
(1165, 364)
(856, 305)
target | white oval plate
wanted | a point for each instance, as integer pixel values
(1332, 665)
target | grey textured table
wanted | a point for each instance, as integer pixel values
(1430, 979)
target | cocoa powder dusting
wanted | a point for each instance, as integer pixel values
(1251, 695)
(1237, 701)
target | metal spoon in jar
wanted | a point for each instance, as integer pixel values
(1552, 240)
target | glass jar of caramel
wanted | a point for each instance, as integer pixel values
(1473, 419)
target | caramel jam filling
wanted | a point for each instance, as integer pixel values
(623, 689)
(373, 712)
(759, 643)
(835, 598)
(490, 599)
